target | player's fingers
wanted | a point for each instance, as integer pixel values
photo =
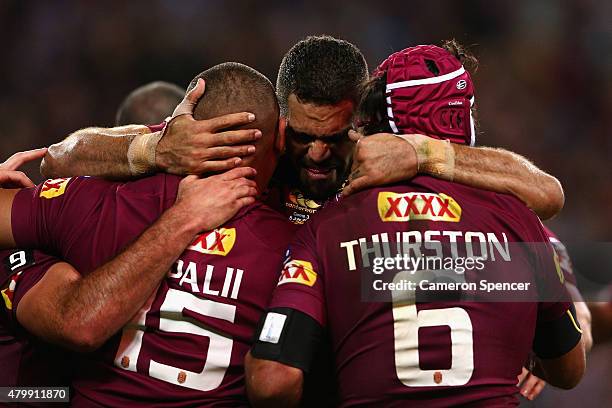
(528, 383)
(218, 166)
(236, 184)
(244, 201)
(225, 152)
(522, 376)
(226, 121)
(239, 172)
(234, 137)
(186, 106)
(19, 158)
(246, 191)
(196, 92)
(356, 185)
(13, 179)
(239, 182)
(355, 136)
(536, 390)
(189, 179)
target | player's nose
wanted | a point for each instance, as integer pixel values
(318, 151)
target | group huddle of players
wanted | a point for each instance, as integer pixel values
(137, 286)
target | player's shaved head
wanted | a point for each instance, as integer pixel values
(149, 104)
(233, 87)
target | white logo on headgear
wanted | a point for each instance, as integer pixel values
(461, 84)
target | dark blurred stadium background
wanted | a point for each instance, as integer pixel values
(544, 87)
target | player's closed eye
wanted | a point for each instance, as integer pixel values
(337, 138)
(301, 138)
(304, 138)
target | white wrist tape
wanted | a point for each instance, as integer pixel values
(435, 157)
(141, 153)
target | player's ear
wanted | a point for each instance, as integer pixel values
(279, 143)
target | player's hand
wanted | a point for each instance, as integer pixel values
(208, 203)
(531, 386)
(191, 146)
(10, 177)
(380, 159)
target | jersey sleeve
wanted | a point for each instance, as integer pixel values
(557, 329)
(552, 295)
(564, 259)
(21, 270)
(158, 127)
(555, 299)
(46, 215)
(300, 285)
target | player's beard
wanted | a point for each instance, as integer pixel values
(322, 188)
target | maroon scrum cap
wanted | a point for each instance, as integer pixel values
(429, 92)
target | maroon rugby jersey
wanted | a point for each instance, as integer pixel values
(186, 346)
(430, 353)
(25, 360)
(564, 259)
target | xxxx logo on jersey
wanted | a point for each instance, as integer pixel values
(217, 242)
(296, 271)
(54, 187)
(417, 206)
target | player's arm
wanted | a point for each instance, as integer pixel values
(582, 311)
(583, 315)
(83, 312)
(385, 158)
(560, 350)
(272, 384)
(506, 172)
(291, 331)
(184, 146)
(284, 348)
(530, 384)
(6, 204)
(93, 152)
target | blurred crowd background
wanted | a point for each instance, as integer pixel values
(544, 86)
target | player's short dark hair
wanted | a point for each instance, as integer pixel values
(232, 87)
(322, 70)
(371, 112)
(149, 104)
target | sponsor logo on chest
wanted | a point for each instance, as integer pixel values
(402, 207)
(217, 242)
